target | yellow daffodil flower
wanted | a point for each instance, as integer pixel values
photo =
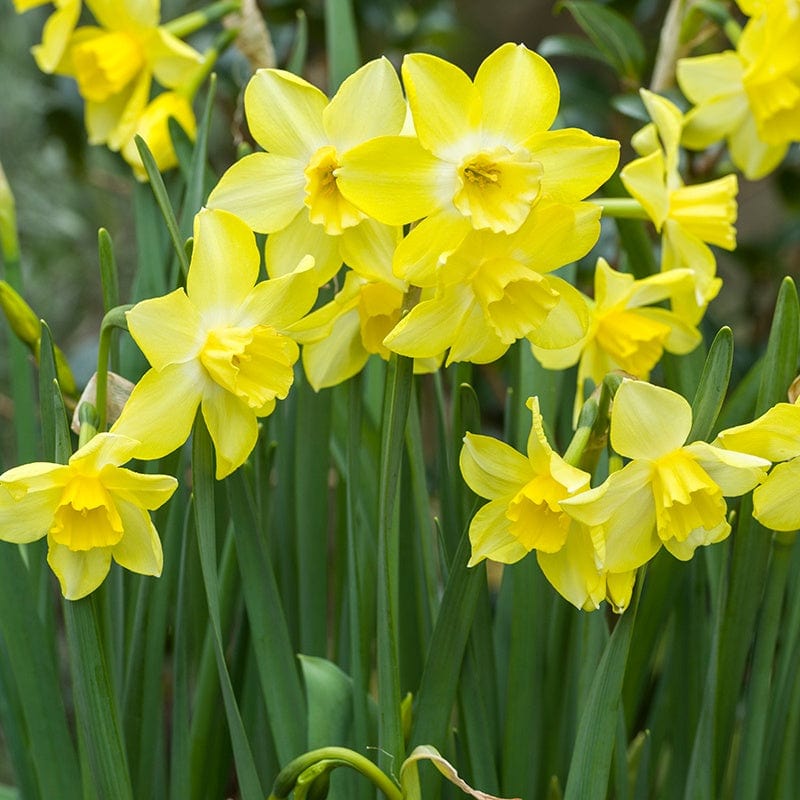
(775, 435)
(57, 30)
(91, 510)
(220, 345)
(482, 158)
(338, 338)
(494, 289)
(749, 97)
(625, 332)
(670, 493)
(524, 514)
(153, 127)
(114, 64)
(291, 191)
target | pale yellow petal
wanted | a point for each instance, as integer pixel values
(287, 248)
(753, 156)
(369, 248)
(167, 329)
(280, 302)
(668, 121)
(284, 113)
(161, 409)
(396, 181)
(713, 121)
(682, 337)
(574, 162)
(491, 468)
(491, 537)
(78, 572)
(369, 103)
(139, 550)
(648, 421)
(519, 94)
(143, 490)
(55, 35)
(735, 473)
(338, 356)
(113, 121)
(645, 179)
(775, 435)
(475, 340)
(444, 103)
(567, 323)
(129, 14)
(224, 266)
(233, 428)
(699, 537)
(708, 77)
(265, 189)
(775, 502)
(173, 61)
(27, 517)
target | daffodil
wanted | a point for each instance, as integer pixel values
(114, 64)
(91, 510)
(220, 345)
(524, 513)
(775, 435)
(670, 493)
(339, 337)
(688, 217)
(483, 155)
(494, 289)
(57, 30)
(749, 97)
(626, 333)
(291, 191)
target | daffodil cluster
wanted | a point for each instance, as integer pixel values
(117, 63)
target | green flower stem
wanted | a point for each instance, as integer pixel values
(221, 43)
(113, 319)
(334, 757)
(622, 207)
(195, 20)
(592, 432)
(718, 13)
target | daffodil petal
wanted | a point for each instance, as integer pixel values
(735, 473)
(395, 180)
(167, 329)
(161, 409)
(284, 113)
(648, 421)
(141, 490)
(129, 114)
(117, 15)
(574, 163)
(713, 121)
(475, 340)
(491, 537)
(369, 248)
(279, 302)
(699, 537)
(668, 121)
(55, 36)
(645, 179)
(701, 78)
(444, 103)
(420, 254)
(682, 337)
(233, 428)
(27, 518)
(337, 357)
(507, 81)
(286, 248)
(774, 435)
(753, 156)
(491, 468)
(567, 323)
(173, 61)
(265, 189)
(78, 572)
(371, 95)
(774, 502)
(139, 550)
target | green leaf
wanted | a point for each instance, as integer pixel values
(712, 387)
(565, 44)
(591, 757)
(612, 34)
(297, 58)
(341, 41)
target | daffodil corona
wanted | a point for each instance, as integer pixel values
(221, 345)
(91, 510)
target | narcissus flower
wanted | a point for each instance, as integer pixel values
(749, 97)
(114, 65)
(775, 435)
(220, 345)
(670, 493)
(483, 156)
(524, 514)
(292, 191)
(625, 332)
(57, 30)
(494, 289)
(688, 217)
(91, 510)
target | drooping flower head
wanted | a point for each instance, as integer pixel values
(291, 191)
(626, 331)
(524, 513)
(688, 217)
(221, 345)
(483, 155)
(114, 64)
(670, 493)
(91, 510)
(749, 97)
